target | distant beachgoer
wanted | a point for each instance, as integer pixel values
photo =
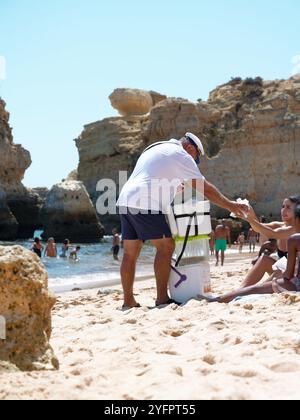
(37, 247)
(262, 239)
(241, 242)
(289, 281)
(51, 249)
(222, 237)
(212, 242)
(116, 244)
(252, 239)
(74, 253)
(65, 248)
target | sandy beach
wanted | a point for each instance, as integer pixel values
(245, 350)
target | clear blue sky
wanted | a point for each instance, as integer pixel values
(64, 58)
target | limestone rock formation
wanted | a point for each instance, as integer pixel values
(73, 176)
(42, 192)
(250, 129)
(131, 101)
(14, 161)
(69, 213)
(8, 223)
(26, 305)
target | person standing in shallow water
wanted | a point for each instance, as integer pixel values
(51, 249)
(37, 247)
(65, 248)
(222, 238)
(116, 244)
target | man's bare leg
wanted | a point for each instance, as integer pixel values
(162, 267)
(217, 258)
(223, 258)
(132, 250)
(264, 265)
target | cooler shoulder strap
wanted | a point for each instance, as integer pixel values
(158, 144)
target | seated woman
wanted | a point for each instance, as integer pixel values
(281, 231)
(289, 281)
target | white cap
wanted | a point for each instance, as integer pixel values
(197, 141)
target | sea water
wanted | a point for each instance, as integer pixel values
(95, 268)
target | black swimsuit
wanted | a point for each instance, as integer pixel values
(37, 251)
(282, 254)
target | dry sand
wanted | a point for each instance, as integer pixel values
(247, 350)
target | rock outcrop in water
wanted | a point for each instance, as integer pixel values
(25, 305)
(69, 213)
(250, 129)
(22, 203)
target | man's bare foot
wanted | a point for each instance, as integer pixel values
(165, 303)
(130, 305)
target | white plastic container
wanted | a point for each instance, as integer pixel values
(188, 282)
(196, 213)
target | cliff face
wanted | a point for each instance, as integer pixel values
(250, 129)
(14, 197)
(69, 213)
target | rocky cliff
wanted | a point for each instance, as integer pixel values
(69, 213)
(250, 129)
(23, 205)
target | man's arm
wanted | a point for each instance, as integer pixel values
(216, 197)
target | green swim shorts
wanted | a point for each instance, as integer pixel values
(221, 245)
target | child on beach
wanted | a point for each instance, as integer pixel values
(65, 248)
(289, 281)
(116, 244)
(37, 247)
(212, 243)
(74, 253)
(51, 249)
(241, 242)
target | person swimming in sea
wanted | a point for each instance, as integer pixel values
(37, 247)
(74, 254)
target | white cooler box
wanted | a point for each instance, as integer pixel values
(194, 213)
(188, 282)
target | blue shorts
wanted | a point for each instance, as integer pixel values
(144, 227)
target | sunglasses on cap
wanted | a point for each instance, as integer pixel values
(197, 160)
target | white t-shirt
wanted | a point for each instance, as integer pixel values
(156, 178)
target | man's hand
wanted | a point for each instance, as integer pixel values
(240, 210)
